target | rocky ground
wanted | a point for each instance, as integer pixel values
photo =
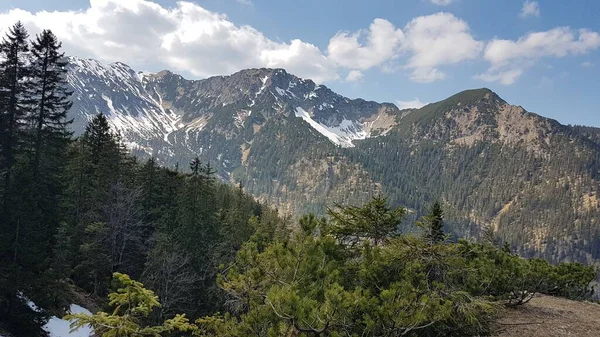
(546, 316)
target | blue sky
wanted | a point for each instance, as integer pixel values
(543, 55)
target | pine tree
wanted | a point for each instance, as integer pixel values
(375, 221)
(437, 223)
(99, 139)
(39, 173)
(97, 162)
(103, 221)
(14, 71)
(197, 228)
(49, 117)
(132, 304)
(196, 166)
(433, 224)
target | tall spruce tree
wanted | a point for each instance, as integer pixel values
(48, 119)
(14, 72)
(95, 168)
(95, 172)
(39, 175)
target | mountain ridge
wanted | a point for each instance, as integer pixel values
(302, 147)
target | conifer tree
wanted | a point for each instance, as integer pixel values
(48, 119)
(196, 166)
(40, 174)
(14, 71)
(132, 305)
(98, 160)
(375, 221)
(433, 224)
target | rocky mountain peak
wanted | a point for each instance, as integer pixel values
(167, 113)
(479, 115)
(471, 96)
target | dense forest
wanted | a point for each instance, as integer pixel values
(76, 210)
(179, 253)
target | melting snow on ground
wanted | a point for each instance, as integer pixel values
(58, 327)
(341, 135)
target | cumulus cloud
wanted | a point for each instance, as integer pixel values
(437, 40)
(354, 76)
(184, 38)
(530, 8)
(414, 104)
(187, 38)
(428, 41)
(366, 48)
(508, 59)
(441, 2)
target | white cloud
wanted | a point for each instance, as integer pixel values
(365, 49)
(414, 104)
(428, 41)
(190, 39)
(184, 38)
(354, 76)
(436, 40)
(245, 2)
(530, 8)
(504, 77)
(587, 64)
(441, 2)
(509, 59)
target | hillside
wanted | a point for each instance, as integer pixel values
(300, 146)
(550, 316)
(533, 181)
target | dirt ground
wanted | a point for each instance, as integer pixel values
(546, 316)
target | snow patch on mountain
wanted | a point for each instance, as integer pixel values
(118, 91)
(262, 88)
(165, 115)
(280, 91)
(341, 135)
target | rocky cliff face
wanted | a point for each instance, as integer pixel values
(166, 115)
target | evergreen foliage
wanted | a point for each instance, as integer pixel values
(132, 304)
(374, 221)
(432, 224)
(78, 212)
(316, 283)
(33, 145)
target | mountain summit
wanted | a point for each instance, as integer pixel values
(528, 179)
(147, 106)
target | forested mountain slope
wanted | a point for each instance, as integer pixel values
(531, 180)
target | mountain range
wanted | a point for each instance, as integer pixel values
(495, 167)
